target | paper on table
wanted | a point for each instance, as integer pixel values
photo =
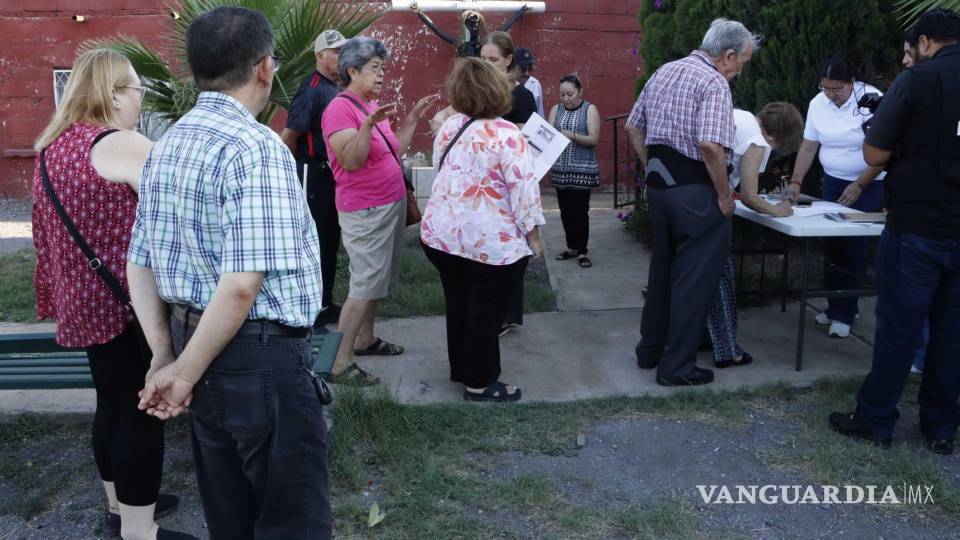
(545, 142)
(818, 208)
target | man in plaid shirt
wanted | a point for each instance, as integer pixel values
(682, 128)
(223, 235)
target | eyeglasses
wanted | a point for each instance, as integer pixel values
(832, 89)
(378, 69)
(277, 60)
(140, 89)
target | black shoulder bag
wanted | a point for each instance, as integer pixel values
(92, 259)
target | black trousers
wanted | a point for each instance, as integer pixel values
(321, 198)
(127, 442)
(259, 440)
(691, 242)
(575, 216)
(476, 295)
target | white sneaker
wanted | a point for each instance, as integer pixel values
(839, 329)
(822, 318)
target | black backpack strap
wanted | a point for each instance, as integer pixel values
(408, 183)
(92, 260)
(454, 141)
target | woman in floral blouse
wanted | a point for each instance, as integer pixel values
(481, 223)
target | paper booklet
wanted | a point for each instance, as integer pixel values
(545, 142)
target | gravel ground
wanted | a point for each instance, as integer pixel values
(15, 229)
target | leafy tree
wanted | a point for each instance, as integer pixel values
(911, 10)
(798, 36)
(296, 24)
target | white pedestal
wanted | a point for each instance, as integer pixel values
(423, 183)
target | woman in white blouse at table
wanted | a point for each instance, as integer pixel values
(835, 127)
(777, 126)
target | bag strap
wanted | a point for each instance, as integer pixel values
(92, 260)
(385, 140)
(454, 141)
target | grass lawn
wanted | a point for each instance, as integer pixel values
(17, 298)
(443, 471)
(418, 292)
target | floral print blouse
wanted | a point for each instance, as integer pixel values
(485, 198)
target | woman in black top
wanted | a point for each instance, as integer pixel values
(498, 50)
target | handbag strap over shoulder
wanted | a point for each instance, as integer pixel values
(454, 141)
(92, 259)
(382, 136)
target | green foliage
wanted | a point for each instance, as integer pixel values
(17, 297)
(908, 11)
(296, 24)
(798, 36)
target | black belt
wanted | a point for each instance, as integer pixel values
(191, 316)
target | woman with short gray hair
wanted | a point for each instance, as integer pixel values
(371, 195)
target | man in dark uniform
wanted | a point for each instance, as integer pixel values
(302, 134)
(918, 260)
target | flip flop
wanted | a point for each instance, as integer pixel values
(562, 256)
(355, 375)
(381, 348)
(584, 261)
(496, 392)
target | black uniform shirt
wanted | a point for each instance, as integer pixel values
(306, 111)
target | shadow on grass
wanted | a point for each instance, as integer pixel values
(17, 296)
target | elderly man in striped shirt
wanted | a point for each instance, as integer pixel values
(682, 128)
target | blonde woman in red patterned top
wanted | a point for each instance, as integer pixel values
(93, 159)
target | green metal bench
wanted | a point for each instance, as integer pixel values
(34, 361)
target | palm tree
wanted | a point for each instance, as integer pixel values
(911, 10)
(296, 23)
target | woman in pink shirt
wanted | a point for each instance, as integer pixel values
(370, 196)
(481, 223)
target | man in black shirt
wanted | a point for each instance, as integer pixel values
(305, 139)
(918, 261)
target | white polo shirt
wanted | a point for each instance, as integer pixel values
(839, 130)
(747, 134)
(533, 85)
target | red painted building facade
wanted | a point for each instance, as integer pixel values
(597, 39)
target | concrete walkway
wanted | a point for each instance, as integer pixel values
(583, 350)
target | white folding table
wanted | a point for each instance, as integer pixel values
(809, 223)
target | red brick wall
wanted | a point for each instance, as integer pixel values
(596, 39)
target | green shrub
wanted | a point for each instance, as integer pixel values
(798, 36)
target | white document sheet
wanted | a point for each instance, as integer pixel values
(546, 143)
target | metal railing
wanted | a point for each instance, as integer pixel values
(625, 188)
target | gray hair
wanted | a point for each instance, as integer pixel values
(356, 52)
(725, 35)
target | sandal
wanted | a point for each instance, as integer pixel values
(354, 375)
(496, 392)
(562, 256)
(379, 347)
(744, 360)
(584, 261)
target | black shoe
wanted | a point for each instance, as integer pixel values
(850, 425)
(944, 447)
(329, 315)
(696, 377)
(166, 505)
(744, 360)
(167, 534)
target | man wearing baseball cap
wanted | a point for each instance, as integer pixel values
(524, 60)
(305, 139)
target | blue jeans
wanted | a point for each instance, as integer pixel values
(847, 257)
(917, 278)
